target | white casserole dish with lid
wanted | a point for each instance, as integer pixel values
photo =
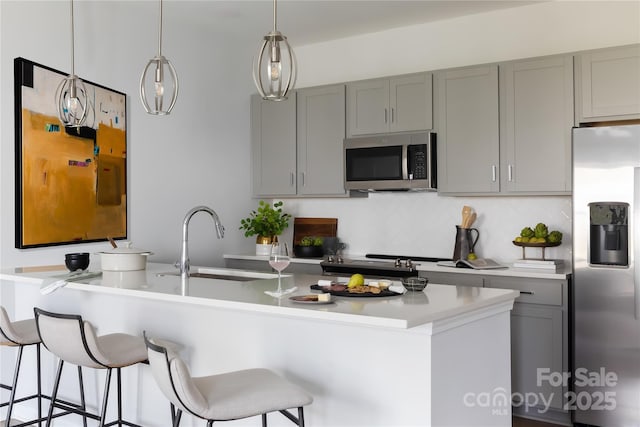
(124, 259)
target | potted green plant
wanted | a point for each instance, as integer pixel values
(266, 223)
(309, 247)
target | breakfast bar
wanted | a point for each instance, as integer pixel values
(439, 357)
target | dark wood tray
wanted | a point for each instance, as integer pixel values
(383, 293)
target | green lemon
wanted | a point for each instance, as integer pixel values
(356, 280)
(472, 256)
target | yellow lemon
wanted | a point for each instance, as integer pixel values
(472, 256)
(356, 280)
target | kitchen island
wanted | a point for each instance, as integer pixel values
(440, 357)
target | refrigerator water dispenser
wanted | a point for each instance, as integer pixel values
(609, 234)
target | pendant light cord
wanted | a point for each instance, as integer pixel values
(275, 16)
(160, 32)
(73, 72)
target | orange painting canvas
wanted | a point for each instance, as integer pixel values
(70, 182)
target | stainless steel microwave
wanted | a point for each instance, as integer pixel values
(403, 162)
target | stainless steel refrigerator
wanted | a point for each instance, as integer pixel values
(606, 286)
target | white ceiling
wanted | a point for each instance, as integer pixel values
(312, 21)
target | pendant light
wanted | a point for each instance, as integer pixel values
(154, 102)
(71, 94)
(274, 68)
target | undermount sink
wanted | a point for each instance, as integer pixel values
(226, 274)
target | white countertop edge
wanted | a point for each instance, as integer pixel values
(250, 307)
(460, 319)
(510, 271)
(313, 261)
(453, 317)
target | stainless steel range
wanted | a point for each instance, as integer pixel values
(376, 265)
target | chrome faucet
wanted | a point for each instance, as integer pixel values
(184, 264)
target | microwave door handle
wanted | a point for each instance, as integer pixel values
(405, 163)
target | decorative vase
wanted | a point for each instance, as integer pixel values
(263, 244)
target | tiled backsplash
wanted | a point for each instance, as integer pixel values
(423, 224)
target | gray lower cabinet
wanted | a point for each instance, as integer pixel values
(466, 122)
(397, 104)
(321, 132)
(536, 108)
(273, 146)
(539, 340)
(608, 84)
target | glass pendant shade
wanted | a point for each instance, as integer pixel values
(159, 86)
(72, 101)
(159, 81)
(274, 67)
(71, 95)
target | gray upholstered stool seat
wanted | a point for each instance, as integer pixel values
(20, 334)
(227, 396)
(75, 341)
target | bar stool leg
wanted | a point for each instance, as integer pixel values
(119, 379)
(176, 415)
(264, 420)
(301, 417)
(15, 383)
(82, 401)
(105, 398)
(210, 423)
(54, 395)
(39, 380)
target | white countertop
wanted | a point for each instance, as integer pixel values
(435, 303)
(563, 272)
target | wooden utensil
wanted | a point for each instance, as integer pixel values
(466, 212)
(113, 242)
(471, 220)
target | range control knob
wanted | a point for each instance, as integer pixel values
(398, 263)
(408, 263)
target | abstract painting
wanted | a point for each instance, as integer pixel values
(70, 182)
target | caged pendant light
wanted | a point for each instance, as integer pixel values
(274, 68)
(158, 84)
(71, 95)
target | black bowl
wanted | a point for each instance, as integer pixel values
(77, 261)
(308, 251)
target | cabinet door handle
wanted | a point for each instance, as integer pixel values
(292, 175)
(510, 173)
(385, 115)
(302, 177)
(527, 292)
(393, 115)
(494, 173)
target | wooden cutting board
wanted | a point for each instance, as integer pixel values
(316, 227)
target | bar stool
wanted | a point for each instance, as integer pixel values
(75, 341)
(20, 334)
(223, 397)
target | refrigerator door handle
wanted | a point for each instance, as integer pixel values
(636, 242)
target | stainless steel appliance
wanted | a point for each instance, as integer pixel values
(606, 290)
(376, 265)
(404, 162)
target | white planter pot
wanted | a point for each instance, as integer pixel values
(262, 250)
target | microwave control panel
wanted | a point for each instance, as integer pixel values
(417, 159)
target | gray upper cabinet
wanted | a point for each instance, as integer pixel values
(273, 141)
(397, 104)
(466, 119)
(608, 84)
(321, 131)
(536, 109)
